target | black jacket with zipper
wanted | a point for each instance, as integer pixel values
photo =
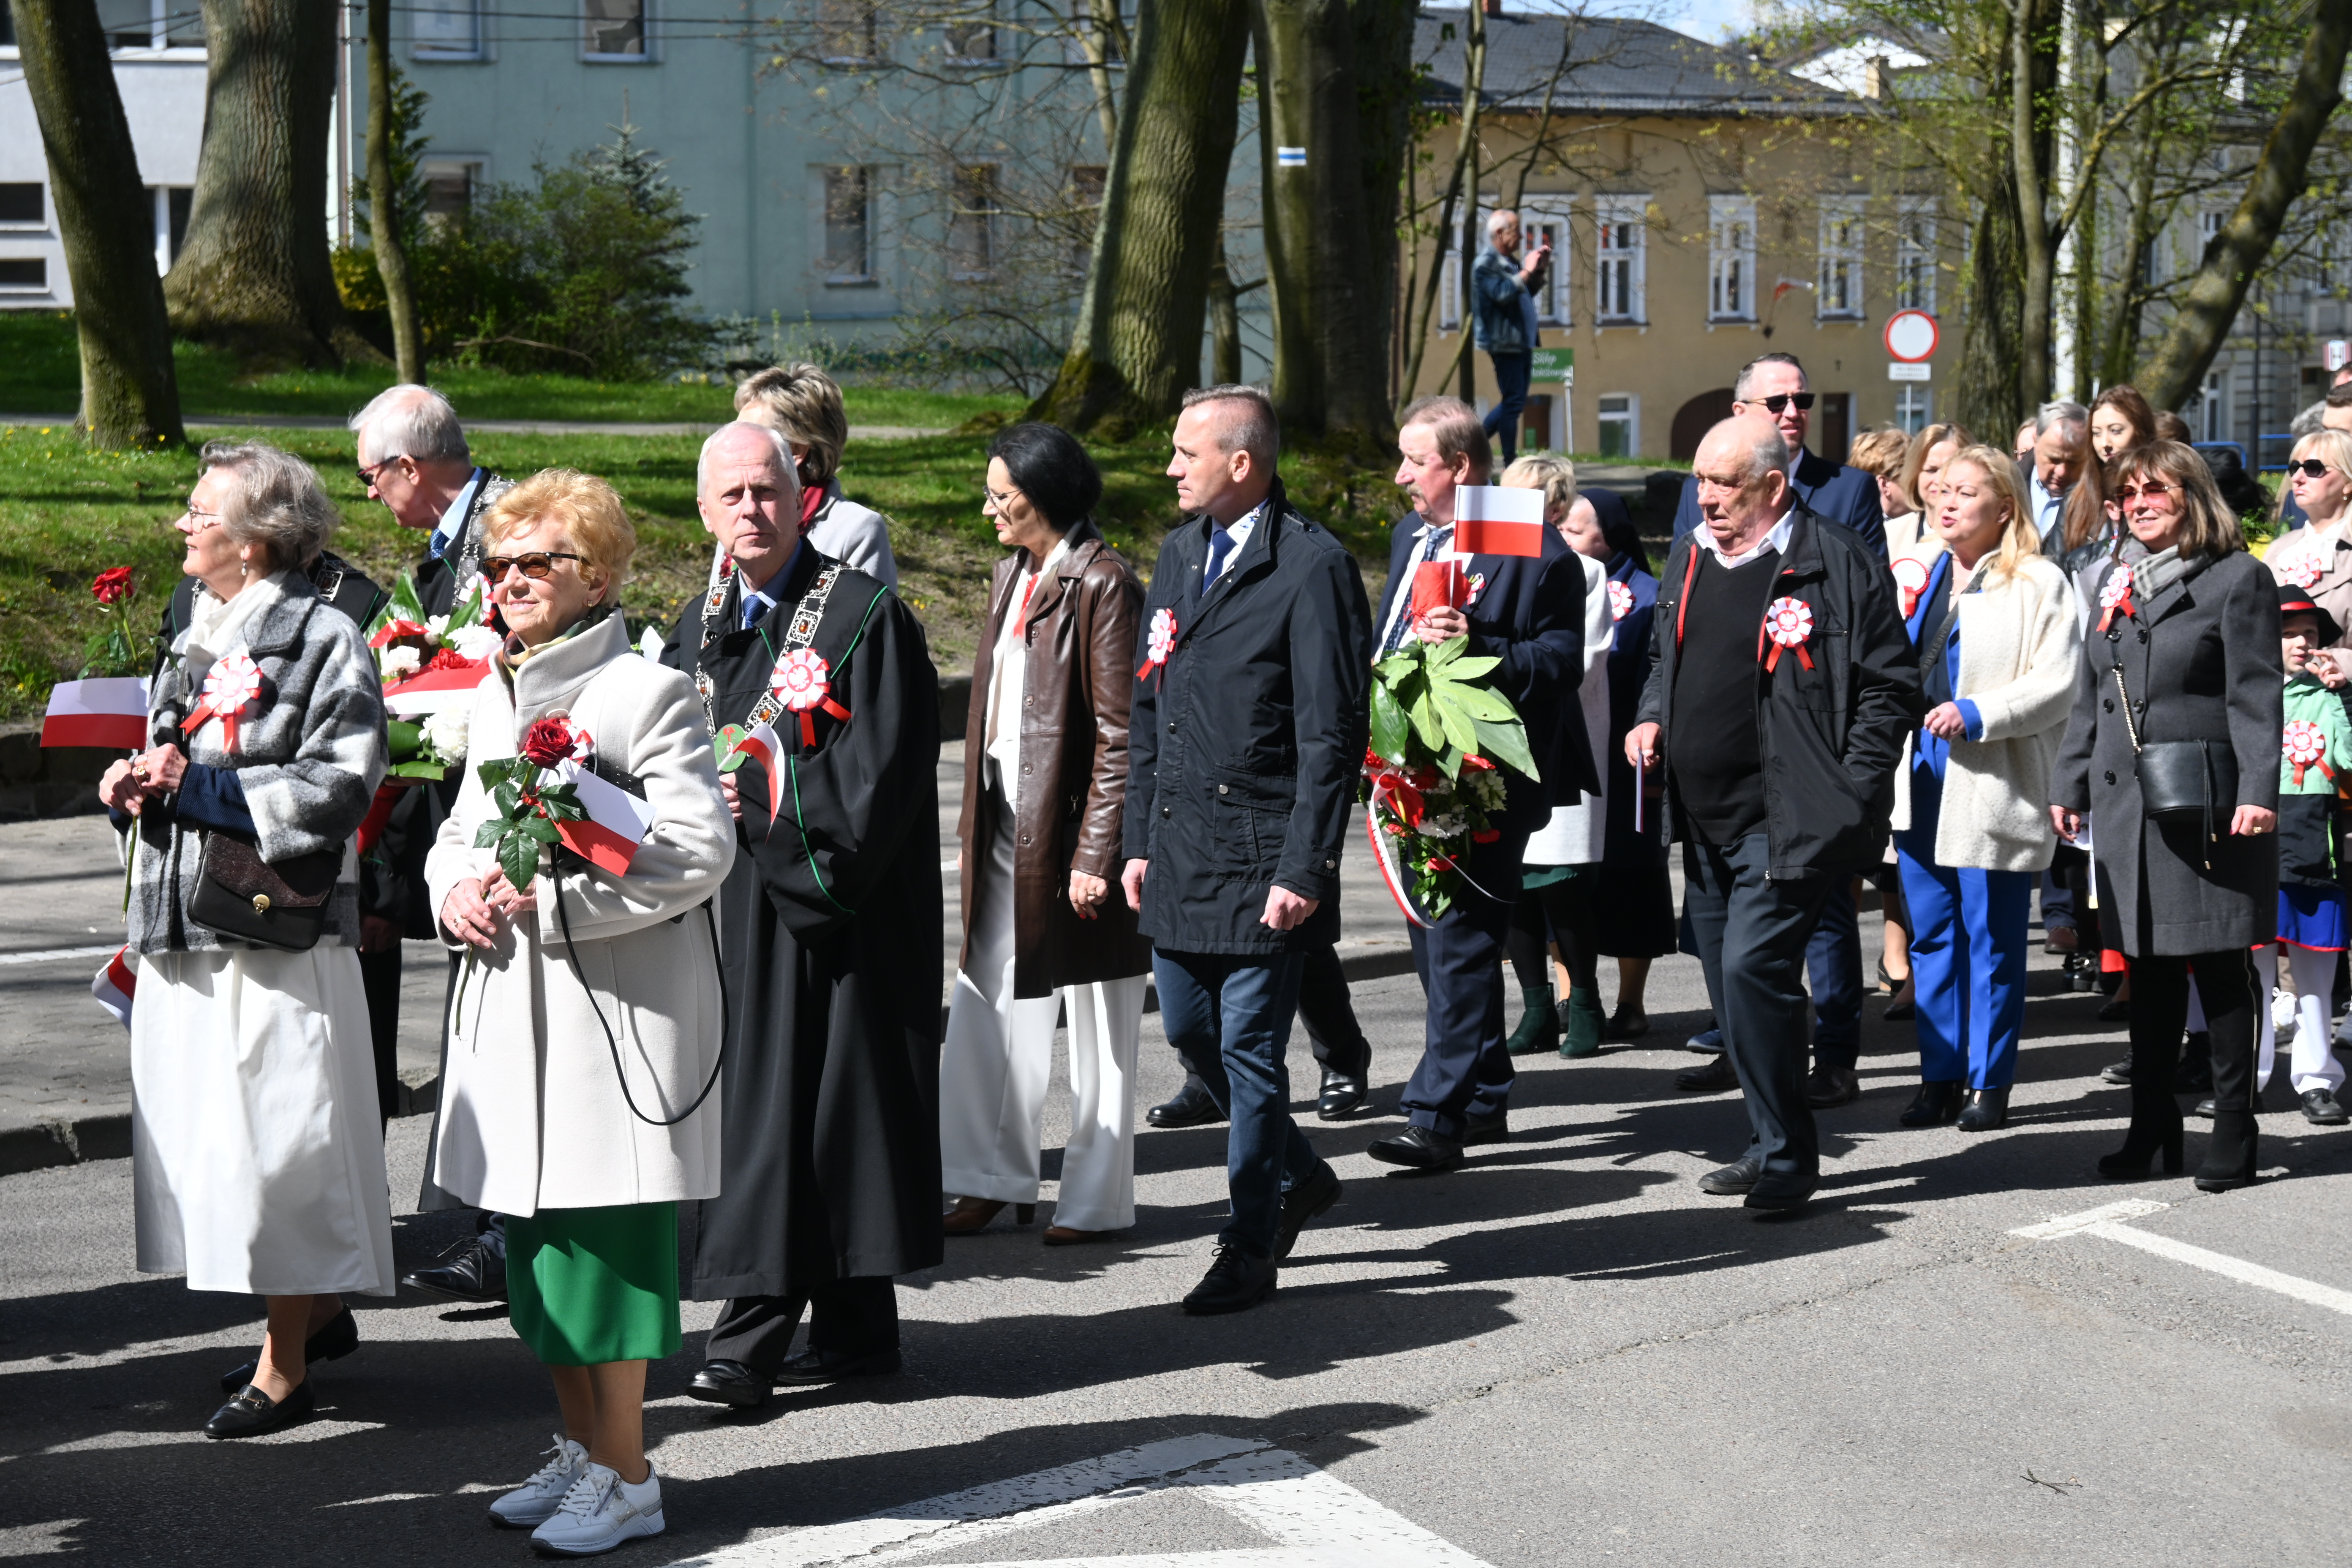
(1829, 735)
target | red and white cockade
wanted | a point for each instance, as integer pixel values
(1910, 582)
(803, 682)
(2305, 746)
(2115, 595)
(1788, 623)
(1159, 643)
(233, 686)
(1620, 600)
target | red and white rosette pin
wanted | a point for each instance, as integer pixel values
(1788, 622)
(1159, 643)
(1620, 600)
(1910, 582)
(2306, 573)
(2305, 746)
(803, 683)
(2115, 595)
(234, 685)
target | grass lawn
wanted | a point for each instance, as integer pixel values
(40, 373)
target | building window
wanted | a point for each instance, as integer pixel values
(846, 31)
(128, 24)
(1537, 226)
(1087, 183)
(448, 29)
(1841, 234)
(1618, 283)
(1911, 407)
(848, 235)
(1449, 294)
(25, 274)
(1619, 417)
(1915, 255)
(171, 207)
(450, 186)
(972, 222)
(972, 35)
(21, 206)
(2214, 409)
(1731, 258)
(613, 30)
(1085, 32)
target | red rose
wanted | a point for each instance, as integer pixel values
(548, 741)
(112, 585)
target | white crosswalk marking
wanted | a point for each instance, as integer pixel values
(2106, 1223)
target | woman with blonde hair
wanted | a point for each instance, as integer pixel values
(2317, 557)
(803, 405)
(1931, 449)
(1999, 645)
(1882, 454)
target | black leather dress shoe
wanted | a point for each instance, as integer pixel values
(1343, 1096)
(730, 1382)
(1733, 1180)
(1234, 1283)
(2120, 1072)
(1987, 1110)
(333, 1339)
(252, 1413)
(812, 1367)
(1495, 1129)
(1418, 1148)
(1779, 1200)
(1712, 1077)
(1192, 1107)
(2322, 1108)
(2115, 1010)
(1830, 1087)
(1309, 1199)
(472, 1273)
(1935, 1104)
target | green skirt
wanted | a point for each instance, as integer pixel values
(589, 1286)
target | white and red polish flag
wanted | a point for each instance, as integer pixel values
(760, 744)
(615, 824)
(1498, 519)
(111, 712)
(447, 681)
(114, 986)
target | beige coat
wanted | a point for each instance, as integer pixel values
(2332, 553)
(531, 1112)
(2020, 647)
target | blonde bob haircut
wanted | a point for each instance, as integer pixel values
(2333, 448)
(1550, 473)
(1880, 452)
(1927, 440)
(586, 508)
(2019, 537)
(2208, 526)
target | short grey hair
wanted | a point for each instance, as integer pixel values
(1496, 219)
(412, 422)
(1747, 378)
(783, 454)
(2060, 413)
(1249, 424)
(1768, 450)
(277, 501)
(805, 404)
(1454, 425)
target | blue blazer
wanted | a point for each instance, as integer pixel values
(1529, 613)
(1833, 493)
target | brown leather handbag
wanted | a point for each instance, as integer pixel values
(281, 904)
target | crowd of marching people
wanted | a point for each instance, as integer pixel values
(686, 880)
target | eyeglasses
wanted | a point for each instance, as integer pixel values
(368, 471)
(205, 520)
(2154, 489)
(1781, 400)
(1000, 502)
(2309, 467)
(539, 565)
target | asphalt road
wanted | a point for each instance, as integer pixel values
(1559, 1354)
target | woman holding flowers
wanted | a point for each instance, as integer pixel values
(578, 1098)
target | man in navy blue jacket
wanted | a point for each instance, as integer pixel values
(1529, 613)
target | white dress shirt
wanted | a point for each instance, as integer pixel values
(1778, 539)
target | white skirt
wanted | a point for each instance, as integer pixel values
(257, 1155)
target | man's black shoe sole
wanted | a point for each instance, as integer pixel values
(1219, 1309)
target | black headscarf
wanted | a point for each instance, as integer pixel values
(1617, 526)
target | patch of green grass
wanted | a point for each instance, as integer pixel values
(40, 373)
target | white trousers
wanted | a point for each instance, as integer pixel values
(2313, 1064)
(998, 1058)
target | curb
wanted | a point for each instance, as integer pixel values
(70, 1141)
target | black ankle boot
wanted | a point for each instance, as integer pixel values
(2230, 1157)
(2155, 1119)
(1935, 1104)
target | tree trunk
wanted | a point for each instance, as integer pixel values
(130, 394)
(1387, 90)
(1224, 321)
(384, 216)
(253, 274)
(1329, 352)
(1136, 348)
(1474, 78)
(2238, 252)
(1986, 401)
(2032, 79)
(1474, 55)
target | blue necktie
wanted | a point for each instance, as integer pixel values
(754, 607)
(1402, 627)
(1220, 543)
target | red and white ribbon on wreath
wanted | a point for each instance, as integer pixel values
(803, 683)
(1620, 600)
(2115, 595)
(2306, 572)
(1910, 582)
(1159, 644)
(234, 685)
(1788, 622)
(2305, 746)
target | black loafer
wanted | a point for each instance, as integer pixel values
(1734, 1180)
(473, 1274)
(2322, 1108)
(333, 1339)
(2120, 1072)
(812, 1367)
(1194, 1106)
(1495, 1129)
(730, 1382)
(1419, 1149)
(1343, 1096)
(1830, 1088)
(1714, 1077)
(1987, 1110)
(1311, 1198)
(1779, 1201)
(1234, 1283)
(252, 1413)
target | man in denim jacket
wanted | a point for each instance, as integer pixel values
(1503, 285)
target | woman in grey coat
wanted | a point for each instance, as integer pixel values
(2191, 633)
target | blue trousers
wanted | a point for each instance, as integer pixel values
(1229, 1015)
(1968, 955)
(1833, 966)
(1464, 1072)
(1502, 421)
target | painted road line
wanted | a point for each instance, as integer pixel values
(2106, 1223)
(1248, 1557)
(53, 954)
(1283, 1497)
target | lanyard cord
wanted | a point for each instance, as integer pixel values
(571, 953)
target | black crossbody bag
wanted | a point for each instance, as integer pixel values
(2179, 779)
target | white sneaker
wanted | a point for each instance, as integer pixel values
(601, 1511)
(532, 1503)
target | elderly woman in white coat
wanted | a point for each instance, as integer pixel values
(579, 1097)
(1997, 649)
(1561, 870)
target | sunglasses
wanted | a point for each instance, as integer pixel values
(1781, 400)
(367, 474)
(539, 565)
(2309, 467)
(2154, 489)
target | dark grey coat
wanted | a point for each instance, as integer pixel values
(2201, 662)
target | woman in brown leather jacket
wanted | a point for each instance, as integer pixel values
(1045, 783)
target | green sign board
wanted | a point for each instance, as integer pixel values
(1552, 364)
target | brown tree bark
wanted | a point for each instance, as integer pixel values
(253, 275)
(129, 392)
(384, 202)
(1988, 400)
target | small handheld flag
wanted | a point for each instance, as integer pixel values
(109, 713)
(1498, 519)
(760, 744)
(615, 824)
(114, 986)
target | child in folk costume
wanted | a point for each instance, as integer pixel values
(2316, 750)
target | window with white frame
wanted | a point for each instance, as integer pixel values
(24, 206)
(1911, 408)
(970, 34)
(2213, 422)
(128, 24)
(972, 222)
(1731, 258)
(450, 186)
(848, 227)
(445, 29)
(1618, 286)
(1840, 297)
(1547, 226)
(1915, 255)
(1449, 293)
(614, 30)
(24, 274)
(1619, 415)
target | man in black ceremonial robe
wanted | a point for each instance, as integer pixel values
(829, 936)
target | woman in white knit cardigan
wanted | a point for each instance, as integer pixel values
(1998, 644)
